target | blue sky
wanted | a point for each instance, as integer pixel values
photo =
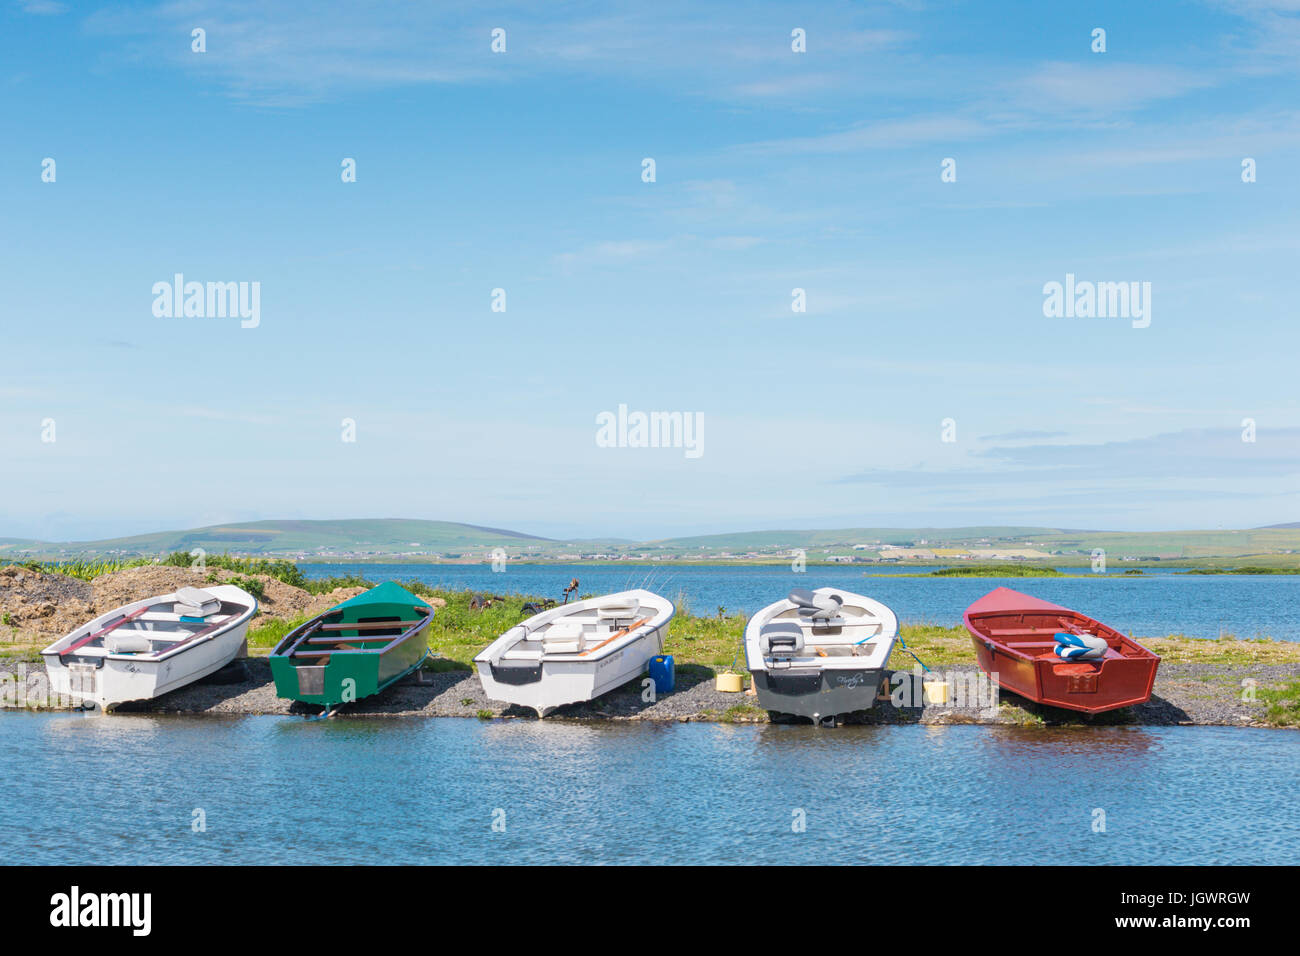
(774, 170)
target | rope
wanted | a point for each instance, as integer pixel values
(914, 657)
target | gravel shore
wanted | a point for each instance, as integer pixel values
(1185, 694)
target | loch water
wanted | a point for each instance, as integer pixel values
(135, 788)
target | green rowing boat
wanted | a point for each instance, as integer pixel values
(355, 649)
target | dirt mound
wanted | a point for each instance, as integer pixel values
(320, 603)
(34, 601)
(132, 584)
(43, 604)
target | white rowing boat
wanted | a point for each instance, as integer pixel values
(144, 649)
(575, 652)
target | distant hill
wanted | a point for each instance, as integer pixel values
(12, 544)
(360, 536)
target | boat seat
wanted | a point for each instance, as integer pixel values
(613, 613)
(563, 637)
(780, 639)
(195, 602)
(815, 607)
(127, 644)
(522, 654)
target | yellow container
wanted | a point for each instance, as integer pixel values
(937, 692)
(730, 683)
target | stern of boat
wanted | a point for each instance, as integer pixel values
(817, 693)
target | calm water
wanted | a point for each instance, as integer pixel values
(104, 790)
(1151, 605)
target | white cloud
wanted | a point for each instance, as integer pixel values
(1103, 86)
(44, 8)
(885, 134)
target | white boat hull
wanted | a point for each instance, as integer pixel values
(570, 678)
(109, 680)
(123, 681)
(572, 683)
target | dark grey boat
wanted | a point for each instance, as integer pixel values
(819, 654)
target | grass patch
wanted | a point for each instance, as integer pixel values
(269, 631)
(459, 632)
(252, 585)
(82, 569)
(1245, 569)
(1017, 715)
(744, 713)
(285, 571)
(443, 665)
(938, 646)
(714, 642)
(1283, 704)
(997, 571)
(1224, 652)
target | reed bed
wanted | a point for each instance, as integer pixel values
(84, 569)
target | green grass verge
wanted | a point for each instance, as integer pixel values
(268, 631)
(1283, 704)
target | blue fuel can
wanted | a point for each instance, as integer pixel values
(663, 673)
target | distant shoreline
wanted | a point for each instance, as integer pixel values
(916, 569)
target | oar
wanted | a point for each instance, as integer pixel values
(112, 627)
(613, 637)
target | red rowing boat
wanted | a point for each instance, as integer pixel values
(1015, 641)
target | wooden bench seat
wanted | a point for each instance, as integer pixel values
(370, 625)
(349, 640)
